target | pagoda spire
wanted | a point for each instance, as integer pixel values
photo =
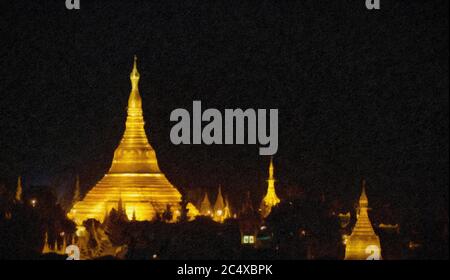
(76, 193)
(122, 209)
(55, 246)
(247, 206)
(120, 205)
(134, 153)
(46, 248)
(135, 100)
(106, 216)
(218, 206)
(363, 236)
(363, 201)
(19, 190)
(134, 75)
(271, 199)
(226, 209)
(271, 169)
(133, 218)
(64, 246)
(205, 206)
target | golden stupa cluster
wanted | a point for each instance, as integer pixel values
(136, 180)
(136, 185)
(221, 209)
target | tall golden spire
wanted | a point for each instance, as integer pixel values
(271, 169)
(363, 241)
(134, 154)
(135, 100)
(134, 178)
(19, 190)
(219, 207)
(271, 199)
(205, 206)
(46, 248)
(363, 201)
(134, 75)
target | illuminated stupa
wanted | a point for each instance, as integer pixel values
(363, 243)
(271, 199)
(134, 176)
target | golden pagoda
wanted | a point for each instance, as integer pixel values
(218, 206)
(205, 206)
(363, 243)
(134, 176)
(271, 199)
(221, 208)
(46, 248)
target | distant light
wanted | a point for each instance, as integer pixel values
(248, 239)
(344, 239)
(155, 256)
(33, 202)
(413, 245)
(219, 212)
(263, 227)
(62, 233)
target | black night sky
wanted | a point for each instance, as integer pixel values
(360, 93)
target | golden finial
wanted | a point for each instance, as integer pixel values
(363, 201)
(271, 168)
(134, 75)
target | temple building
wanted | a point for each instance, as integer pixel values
(271, 199)
(363, 243)
(134, 176)
(249, 222)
